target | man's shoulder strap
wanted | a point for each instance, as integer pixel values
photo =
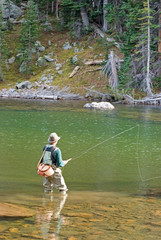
(52, 151)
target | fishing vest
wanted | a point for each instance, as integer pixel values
(48, 156)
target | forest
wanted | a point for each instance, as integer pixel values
(133, 27)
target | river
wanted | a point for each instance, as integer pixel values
(113, 179)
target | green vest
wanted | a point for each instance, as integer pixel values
(47, 158)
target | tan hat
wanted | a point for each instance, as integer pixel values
(53, 138)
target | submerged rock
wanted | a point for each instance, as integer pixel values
(100, 105)
(14, 211)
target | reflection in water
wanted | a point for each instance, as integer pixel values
(49, 216)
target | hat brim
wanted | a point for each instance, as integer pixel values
(54, 140)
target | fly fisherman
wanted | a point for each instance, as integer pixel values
(53, 157)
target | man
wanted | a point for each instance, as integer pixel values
(53, 157)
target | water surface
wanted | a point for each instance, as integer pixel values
(116, 160)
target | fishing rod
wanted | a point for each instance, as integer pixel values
(84, 152)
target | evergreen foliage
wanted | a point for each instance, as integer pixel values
(8, 8)
(70, 12)
(127, 21)
(4, 52)
(29, 34)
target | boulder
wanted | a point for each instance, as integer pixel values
(41, 62)
(13, 12)
(99, 105)
(75, 59)
(25, 84)
(67, 46)
(58, 66)
(11, 60)
(39, 47)
(47, 26)
(48, 58)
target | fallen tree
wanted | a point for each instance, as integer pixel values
(94, 62)
(103, 35)
(74, 71)
(127, 99)
(103, 95)
(153, 100)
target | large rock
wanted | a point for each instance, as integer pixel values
(67, 46)
(11, 60)
(48, 58)
(39, 47)
(25, 84)
(14, 211)
(58, 66)
(100, 105)
(41, 62)
(14, 11)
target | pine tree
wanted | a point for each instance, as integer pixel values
(3, 45)
(1, 36)
(29, 34)
(8, 8)
(144, 49)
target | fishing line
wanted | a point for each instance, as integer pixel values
(84, 152)
(137, 151)
(137, 155)
(138, 163)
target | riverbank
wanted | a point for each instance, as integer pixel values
(45, 91)
(27, 90)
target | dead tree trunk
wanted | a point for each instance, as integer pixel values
(105, 24)
(148, 77)
(52, 7)
(57, 9)
(114, 80)
(84, 16)
(159, 42)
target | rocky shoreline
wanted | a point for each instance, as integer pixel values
(45, 91)
(27, 90)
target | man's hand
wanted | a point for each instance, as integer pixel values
(66, 161)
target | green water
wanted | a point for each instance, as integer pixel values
(117, 152)
(110, 166)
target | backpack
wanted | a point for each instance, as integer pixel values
(44, 168)
(48, 156)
